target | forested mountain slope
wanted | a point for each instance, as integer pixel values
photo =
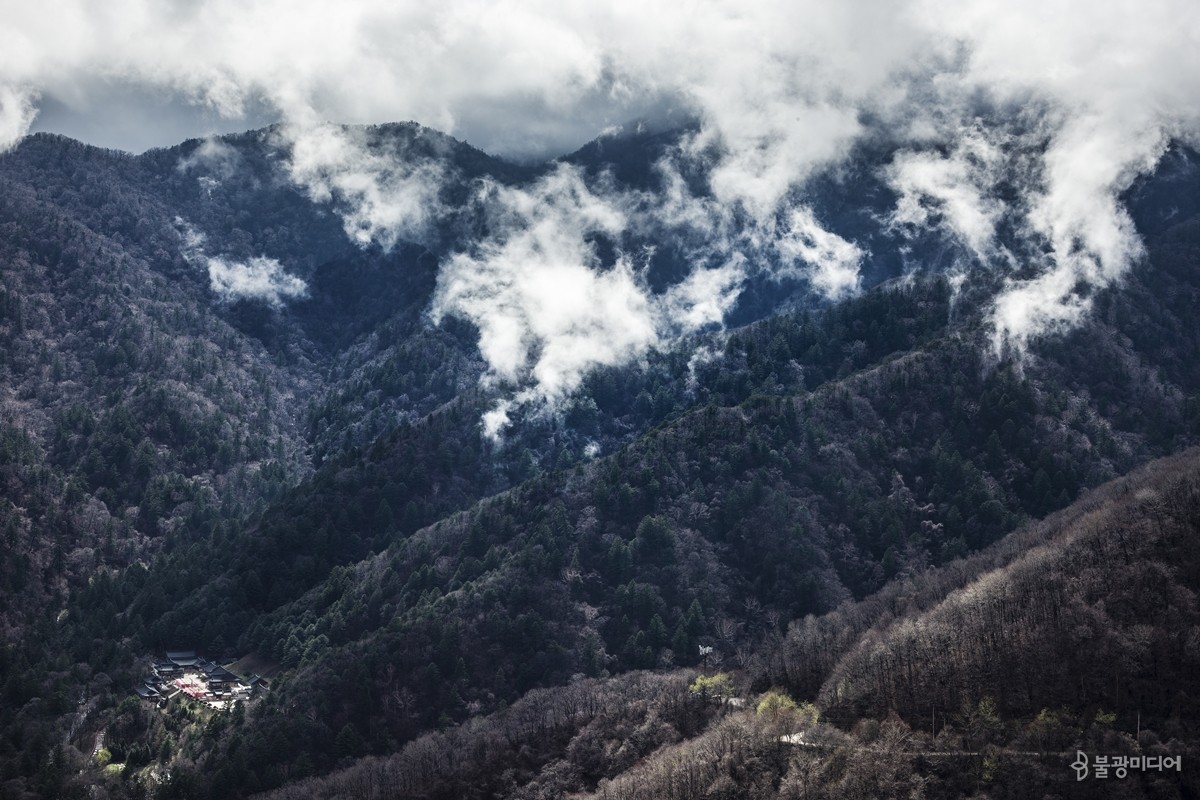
(140, 398)
(301, 477)
(719, 527)
(144, 411)
(1077, 631)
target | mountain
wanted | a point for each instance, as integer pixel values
(231, 425)
(1077, 631)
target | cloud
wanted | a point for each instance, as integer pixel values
(1091, 237)
(701, 356)
(704, 297)
(548, 310)
(459, 67)
(260, 279)
(545, 310)
(1110, 88)
(957, 191)
(1058, 108)
(17, 112)
(384, 193)
(830, 262)
(214, 162)
(212, 157)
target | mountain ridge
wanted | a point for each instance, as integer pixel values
(836, 764)
(309, 481)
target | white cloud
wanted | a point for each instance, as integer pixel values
(213, 157)
(1112, 85)
(830, 262)
(957, 191)
(17, 112)
(704, 297)
(547, 310)
(1091, 236)
(781, 90)
(260, 278)
(496, 420)
(700, 357)
(383, 193)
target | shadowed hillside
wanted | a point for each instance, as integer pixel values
(980, 678)
(302, 479)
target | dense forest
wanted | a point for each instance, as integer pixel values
(967, 680)
(826, 527)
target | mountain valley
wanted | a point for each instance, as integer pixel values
(235, 418)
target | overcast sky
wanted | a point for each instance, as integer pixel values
(536, 77)
(539, 76)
